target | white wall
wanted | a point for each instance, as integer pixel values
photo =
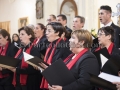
(12, 11)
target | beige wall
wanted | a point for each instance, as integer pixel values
(12, 11)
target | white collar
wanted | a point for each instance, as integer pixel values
(109, 24)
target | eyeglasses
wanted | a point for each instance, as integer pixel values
(50, 31)
(100, 34)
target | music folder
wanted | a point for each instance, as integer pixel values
(33, 60)
(101, 83)
(8, 62)
(58, 74)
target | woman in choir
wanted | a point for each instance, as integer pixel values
(80, 62)
(16, 40)
(105, 39)
(41, 40)
(57, 48)
(6, 49)
(26, 77)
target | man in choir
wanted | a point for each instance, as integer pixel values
(51, 18)
(78, 22)
(80, 62)
(63, 20)
(26, 77)
(6, 49)
(105, 18)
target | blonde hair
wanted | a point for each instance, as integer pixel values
(83, 35)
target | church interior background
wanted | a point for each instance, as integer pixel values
(12, 11)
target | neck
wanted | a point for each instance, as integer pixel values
(79, 50)
(5, 44)
(56, 38)
(40, 36)
(107, 22)
(25, 44)
(106, 45)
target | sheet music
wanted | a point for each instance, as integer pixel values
(27, 56)
(109, 77)
(103, 59)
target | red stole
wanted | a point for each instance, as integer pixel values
(3, 53)
(23, 77)
(44, 83)
(73, 61)
(109, 48)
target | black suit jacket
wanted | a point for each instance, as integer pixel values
(42, 45)
(86, 64)
(7, 81)
(116, 36)
(34, 76)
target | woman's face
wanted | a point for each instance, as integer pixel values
(3, 40)
(74, 44)
(15, 38)
(50, 34)
(24, 37)
(38, 31)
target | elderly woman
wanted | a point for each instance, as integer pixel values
(26, 77)
(57, 48)
(41, 40)
(105, 39)
(80, 63)
(6, 49)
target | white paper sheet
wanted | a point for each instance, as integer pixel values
(109, 77)
(27, 56)
(103, 59)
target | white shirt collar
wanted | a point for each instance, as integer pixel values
(109, 24)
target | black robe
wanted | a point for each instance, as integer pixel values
(86, 64)
(62, 51)
(6, 83)
(34, 76)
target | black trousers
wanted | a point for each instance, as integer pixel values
(21, 87)
(7, 87)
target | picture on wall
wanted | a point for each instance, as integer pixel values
(39, 9)
(23, 21)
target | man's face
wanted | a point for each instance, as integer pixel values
(77, 25)
(104, 16)
(50, 19)
(60, 20)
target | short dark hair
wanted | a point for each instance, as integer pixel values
(106, 7)
(29, 31)
(4, 33)
(54, 17)
(108, 31)
(82, 19)
(58, 27)
(63, 16)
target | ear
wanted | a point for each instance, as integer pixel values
(57, 34)
(81, 43)
(6, 37)
(119, 73)
(109, 37)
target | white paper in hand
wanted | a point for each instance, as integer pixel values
(27, 56)
(109, 77)
(103, 60)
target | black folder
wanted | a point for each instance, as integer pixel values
(102, 51)
(8, 62)
(58, 74)
(112, 66)
(101, 83)
(33, 60)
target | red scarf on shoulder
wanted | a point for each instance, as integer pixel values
(73, 61)
(109, 48)
(44, 83)
(3, 53)
(23, 77)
